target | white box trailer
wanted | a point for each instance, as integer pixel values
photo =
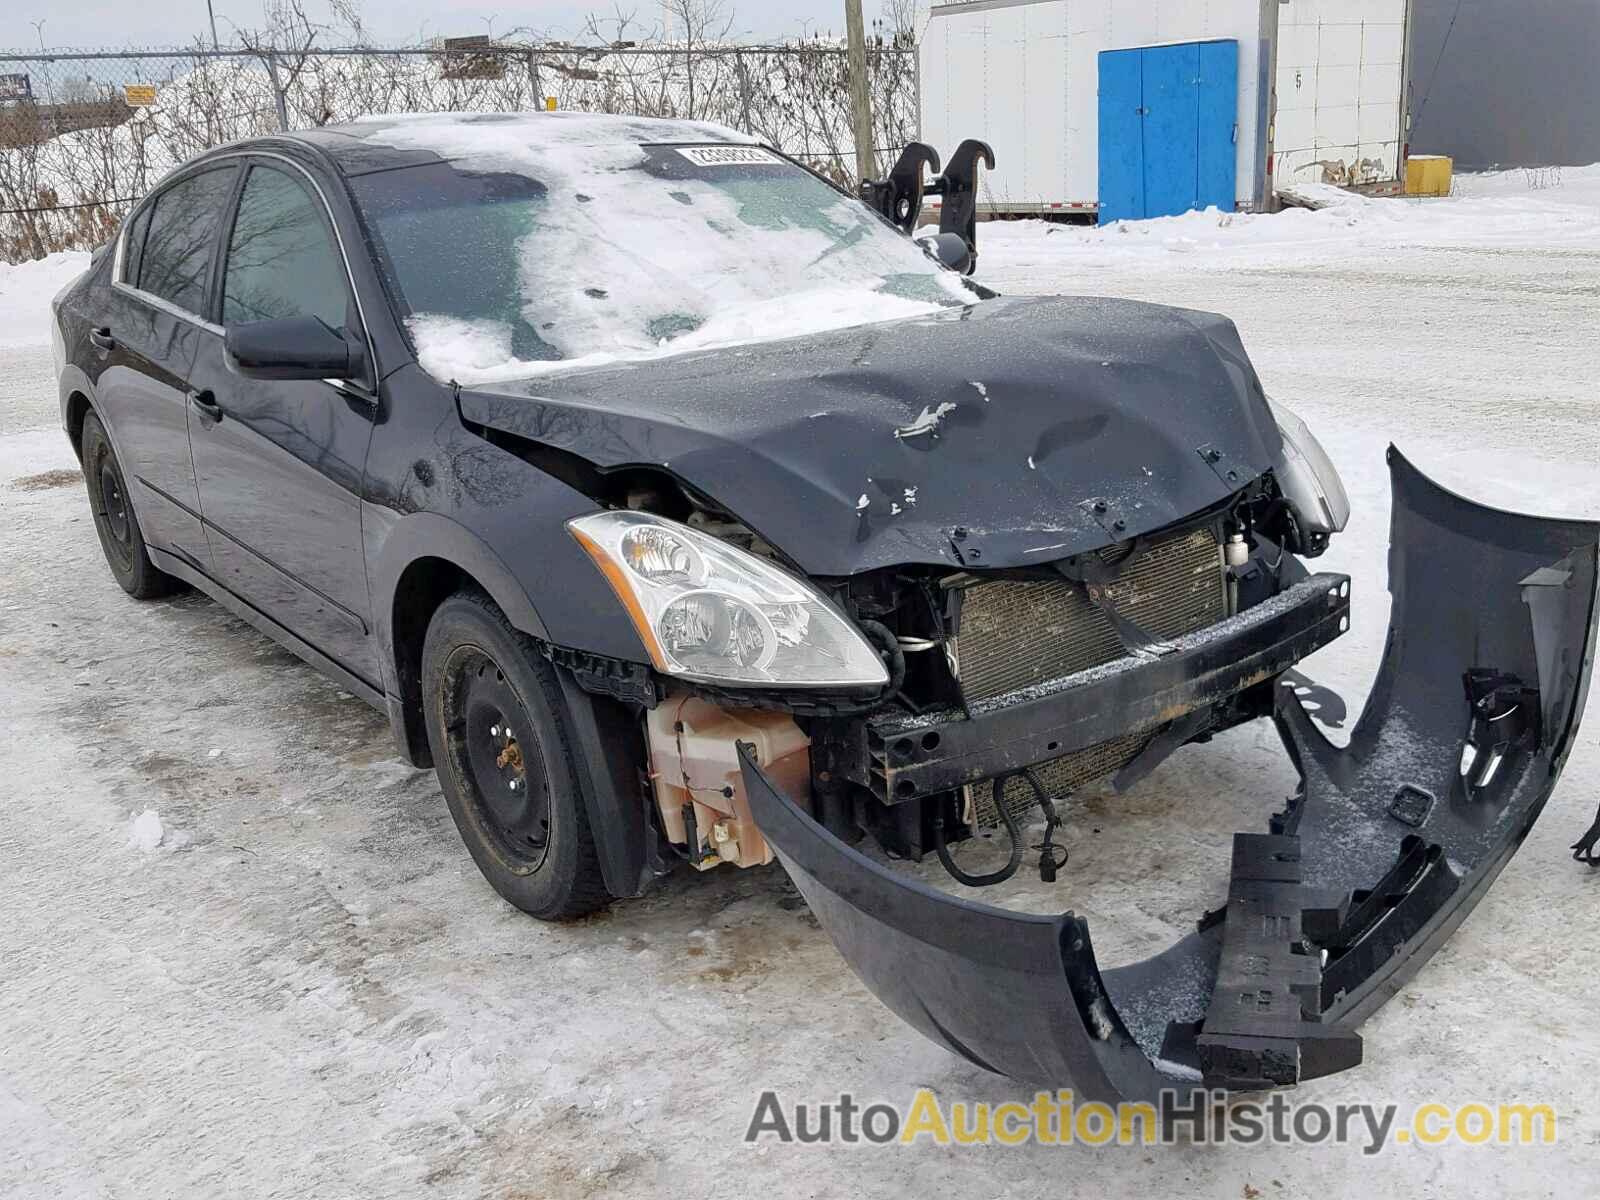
(1343, 73)
(1070, 91)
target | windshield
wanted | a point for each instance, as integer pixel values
(520, 256)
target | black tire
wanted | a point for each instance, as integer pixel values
(497, 726)
(114, 519)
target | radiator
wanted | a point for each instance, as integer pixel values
(1014, 634)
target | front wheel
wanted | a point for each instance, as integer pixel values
(496, 724)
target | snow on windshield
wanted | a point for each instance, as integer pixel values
(623, 248)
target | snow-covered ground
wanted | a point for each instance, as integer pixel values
(242, 951)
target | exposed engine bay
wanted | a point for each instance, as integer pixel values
(955, 644)
(1008, 690)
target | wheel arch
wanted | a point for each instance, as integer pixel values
(423, 586)
(605, 734)
(77, 408)
(76, 392)
(435, 559)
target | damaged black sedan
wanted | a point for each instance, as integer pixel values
(679, 509)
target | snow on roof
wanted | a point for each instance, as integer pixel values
(451, 134)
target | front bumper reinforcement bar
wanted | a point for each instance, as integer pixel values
(930, 753)
(1384, 850)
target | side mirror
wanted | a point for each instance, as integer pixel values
(949, 248)
(292, 348)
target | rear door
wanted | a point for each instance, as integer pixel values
(143, 352)
(279, 463)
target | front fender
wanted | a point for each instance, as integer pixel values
(424, 535)
(437, 490)
(1387, 847)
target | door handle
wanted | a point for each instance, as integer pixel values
(205, 403)
(101, 337)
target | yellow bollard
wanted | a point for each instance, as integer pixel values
(549, 104)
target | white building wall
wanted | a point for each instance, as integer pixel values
(1024, 76)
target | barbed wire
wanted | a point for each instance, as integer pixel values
(506, 44)
(507, 49)
(8, 212)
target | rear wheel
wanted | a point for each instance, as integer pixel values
(496, 725)
(114, 521)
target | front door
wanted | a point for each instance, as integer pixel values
(279, 463)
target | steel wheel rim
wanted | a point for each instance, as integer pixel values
(114, 503)
(499, 767)
(111, 506)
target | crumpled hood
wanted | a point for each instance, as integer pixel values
(984, 436)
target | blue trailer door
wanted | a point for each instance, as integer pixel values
(1171, 129)
(1217, 97)
(1167, 121)
(1121, 134)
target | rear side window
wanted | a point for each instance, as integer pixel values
(176, 262)
(282, 260)
(133, 248)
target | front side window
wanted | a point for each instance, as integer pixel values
(282, 259)
(176, 259)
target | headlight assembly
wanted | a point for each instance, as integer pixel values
(709, 611)
(1307, 477)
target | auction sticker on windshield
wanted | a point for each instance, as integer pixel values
(727, 156)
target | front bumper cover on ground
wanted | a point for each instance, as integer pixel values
(1383, 852)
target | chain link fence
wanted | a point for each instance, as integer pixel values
(84, 135)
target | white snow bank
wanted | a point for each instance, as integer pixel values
(145, 832)
(26, 290)
(1508, 208)
(1573, 184)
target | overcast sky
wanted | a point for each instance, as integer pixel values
(100, 23)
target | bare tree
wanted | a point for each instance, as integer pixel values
(347, 17)
(619, 29)
(701, 21)
(284, 44)
(897, 22)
